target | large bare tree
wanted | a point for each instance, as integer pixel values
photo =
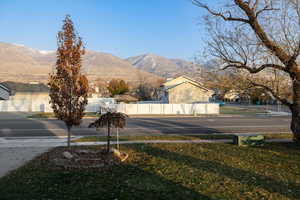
(68, 87)
(257, 36)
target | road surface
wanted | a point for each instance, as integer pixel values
(22, 127)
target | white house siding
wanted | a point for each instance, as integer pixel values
(26, 102)
(188, 93)
(39, 102)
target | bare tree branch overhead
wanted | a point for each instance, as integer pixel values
(226, 15)
(258, 37)
(275, 94)
(254, 69)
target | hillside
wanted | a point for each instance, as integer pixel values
(23, 64)
(165, 67)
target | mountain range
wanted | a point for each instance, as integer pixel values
(23, 64)
(163, 66)
(19, 63)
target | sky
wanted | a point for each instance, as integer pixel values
(123, 28)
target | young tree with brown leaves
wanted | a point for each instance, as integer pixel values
(110, 119)
(255, 36)
(68, 87)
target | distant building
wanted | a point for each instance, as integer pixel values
(184, 90)
(34, 97)
(232, 96)
(126, 98)
(27, 97)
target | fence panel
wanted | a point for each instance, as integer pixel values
(131, 109)
(168, 109)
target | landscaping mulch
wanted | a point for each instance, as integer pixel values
(82, 157)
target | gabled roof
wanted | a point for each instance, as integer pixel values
(197, 85)
(4, 87)
(187, 80)
(192, 80)
(5, 92)
(25, 87)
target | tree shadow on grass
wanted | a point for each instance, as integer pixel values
(243, 176)
(126, 182)
(148, 185)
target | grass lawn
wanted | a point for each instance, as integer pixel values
(177, 137)
(51, 115)
(168, 171)
(233, 110)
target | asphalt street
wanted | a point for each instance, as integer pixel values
(18, 126)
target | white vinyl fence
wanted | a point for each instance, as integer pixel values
(35, 105)
(168, 109)
(32, 104)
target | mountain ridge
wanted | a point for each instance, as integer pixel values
(19, 63)
(165, 67)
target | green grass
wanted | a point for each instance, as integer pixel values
(51, 115)
(164, 137)
(232, 110)
(176, 137)
(278, 136)
(168, 171)
(41, 115)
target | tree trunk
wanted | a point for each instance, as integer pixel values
(108, 138)
(295, 124)
(295, 108)
(69, 136)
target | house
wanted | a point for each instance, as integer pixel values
(232, 96)
(184, 90)
(28, 97)
(4, 92)
(126, 98)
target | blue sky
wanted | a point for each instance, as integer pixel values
(120, 27)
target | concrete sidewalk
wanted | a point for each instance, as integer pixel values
(11, 142)
(273, 113)
(48, 142)
(14, 157)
